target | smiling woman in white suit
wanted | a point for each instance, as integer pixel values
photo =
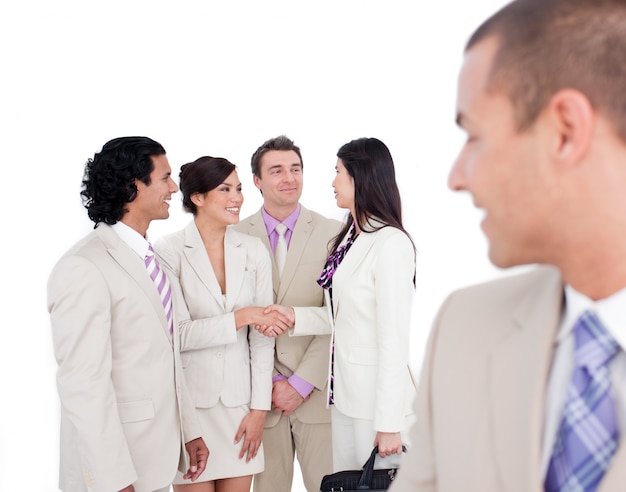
(369, 282)
(220, 278)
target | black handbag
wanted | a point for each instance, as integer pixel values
(364, 479)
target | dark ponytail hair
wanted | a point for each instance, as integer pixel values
(201, 176)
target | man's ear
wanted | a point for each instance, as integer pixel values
(573, 117)
(257, 181)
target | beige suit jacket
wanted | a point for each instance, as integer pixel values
(481, 398)
(120, 390)
(372, 300)
(220, 362)
(305, 356)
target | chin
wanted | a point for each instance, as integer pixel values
(502, 259)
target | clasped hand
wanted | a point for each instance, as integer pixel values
(284, 316)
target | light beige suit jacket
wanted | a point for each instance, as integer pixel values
(220, 362)
(305, 356)
(481, 398)
(372, 300)
(118, 379)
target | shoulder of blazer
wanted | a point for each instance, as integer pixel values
(107, 240)
(93, 247)
(319, 221)
(517, 295)
(384, 234)
(191, 236)
(513, 285)
(238, 238)
(173, 244)
(107, 235)
(250, 221)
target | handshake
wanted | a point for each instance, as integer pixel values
(274, 320)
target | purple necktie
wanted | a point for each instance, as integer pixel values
(588, 436)
(162, 284)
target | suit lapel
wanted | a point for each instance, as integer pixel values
(257, 228)
(520, 367)
(235, 265)
(196, 255)
(299, 238)
(354, 257)
(132, 264)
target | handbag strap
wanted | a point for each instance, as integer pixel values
(365, 482)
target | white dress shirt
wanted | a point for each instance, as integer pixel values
(132, 238)
(612, 313)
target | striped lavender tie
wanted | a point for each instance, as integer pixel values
(162, 284)
(588, 436)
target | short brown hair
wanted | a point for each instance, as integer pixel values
(277, 143)
(549, 45)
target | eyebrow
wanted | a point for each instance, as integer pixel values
(278, 166)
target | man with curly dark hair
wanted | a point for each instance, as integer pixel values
(125, 412)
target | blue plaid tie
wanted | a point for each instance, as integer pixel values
(588, 436)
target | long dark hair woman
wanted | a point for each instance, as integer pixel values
(369, 282)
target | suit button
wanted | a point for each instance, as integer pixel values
(219, 355)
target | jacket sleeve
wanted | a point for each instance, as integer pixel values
(194, 334)
(394, 291)
(313, 367)
(311, 321)
(80, 309)
(261, 347)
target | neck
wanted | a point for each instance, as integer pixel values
(140, 226)
(595, 267)
(280, 213)
(211, 232)
(598, 281)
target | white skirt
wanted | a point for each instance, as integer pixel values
(219, 427)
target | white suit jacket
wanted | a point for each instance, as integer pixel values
(306, 356)
(480, 407)
(372, 299)
(220, 361)
(119, 381)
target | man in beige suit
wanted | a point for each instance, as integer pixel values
(508, 396)
(300, 421)
(125, 411)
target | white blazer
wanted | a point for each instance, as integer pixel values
(220, 362)
(372, 293)
(123, 395)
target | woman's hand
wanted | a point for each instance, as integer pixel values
(388, 443)
(251, 429)
(285, 316)
(270, 320)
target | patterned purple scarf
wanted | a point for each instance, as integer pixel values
(333, 261)
(326, 282)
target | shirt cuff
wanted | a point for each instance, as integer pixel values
(278, 377)
(300, 385)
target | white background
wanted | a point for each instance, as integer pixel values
(214, 78)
